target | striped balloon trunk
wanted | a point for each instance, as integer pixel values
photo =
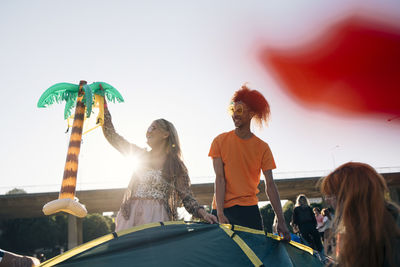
(68, 185)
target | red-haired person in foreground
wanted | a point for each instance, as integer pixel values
(366, 224)
(238, 158)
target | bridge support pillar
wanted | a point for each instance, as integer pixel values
(74, 231)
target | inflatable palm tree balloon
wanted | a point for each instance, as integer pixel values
(84, 96)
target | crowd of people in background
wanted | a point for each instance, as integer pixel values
(305, 225)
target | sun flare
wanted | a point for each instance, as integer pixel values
(123, 169)
(131, 164)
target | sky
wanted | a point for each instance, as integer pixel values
(178, 60)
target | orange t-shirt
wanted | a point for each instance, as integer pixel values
(243, 161)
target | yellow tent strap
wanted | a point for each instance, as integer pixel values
(293, 243)
(147, 226)
(259, 232)
(248, 251)
(245, 229)
(75, 251)
(138, 228)
(175, 223)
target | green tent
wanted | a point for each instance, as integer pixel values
(187, 244)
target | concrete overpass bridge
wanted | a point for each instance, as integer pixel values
(106, 200)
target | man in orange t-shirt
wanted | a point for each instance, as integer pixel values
(238, 158)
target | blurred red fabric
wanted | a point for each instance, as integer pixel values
(353, 67)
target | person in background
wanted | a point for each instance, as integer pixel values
(366, 224)
(160, 183)
(324, 230)
(320, 220)
(9, 259)
(304, 218)
(238, 159)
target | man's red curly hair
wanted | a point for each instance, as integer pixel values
(255, 101)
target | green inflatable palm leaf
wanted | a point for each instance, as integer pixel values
(69, 105)
(88, 99)
(58, 93)
(110, 92)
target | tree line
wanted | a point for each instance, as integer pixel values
(48, 235)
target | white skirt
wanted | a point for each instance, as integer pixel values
(142, 211)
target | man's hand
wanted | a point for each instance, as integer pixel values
(273, 195)
(222, 218)
(220, 189)
(283, 230)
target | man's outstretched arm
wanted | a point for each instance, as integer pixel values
(219, 188)
(273, 195)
